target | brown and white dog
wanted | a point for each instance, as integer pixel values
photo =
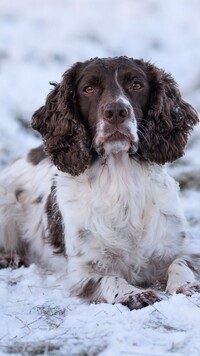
(96, 202)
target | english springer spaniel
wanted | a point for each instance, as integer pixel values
(94, 200)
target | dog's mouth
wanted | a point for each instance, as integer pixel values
(117, 136)
(115, 143)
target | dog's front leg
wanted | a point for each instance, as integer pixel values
(110, 289)
(181, 278)
(117, 290)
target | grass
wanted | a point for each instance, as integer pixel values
(32, 349)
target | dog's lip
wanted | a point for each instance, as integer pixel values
(112, 135)
(120, 136)
(117, 136)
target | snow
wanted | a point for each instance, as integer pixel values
(39, 40)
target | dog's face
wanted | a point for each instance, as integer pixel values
(113, 97)
(111, 105)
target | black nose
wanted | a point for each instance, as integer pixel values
(116, 112)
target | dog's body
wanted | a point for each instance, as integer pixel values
(97, 203)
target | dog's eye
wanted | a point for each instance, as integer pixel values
(89, 89)
(136, 86)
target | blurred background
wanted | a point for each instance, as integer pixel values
(40, 39)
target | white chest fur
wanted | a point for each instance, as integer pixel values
(119, 215)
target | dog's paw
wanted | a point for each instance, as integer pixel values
(13, 261)
(189, 289)
(140, 300)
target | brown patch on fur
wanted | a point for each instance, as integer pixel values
(18, 193)
(83, 234)
(56, 233)
(38, 199)
(65, 137)
(169, 121)
(36, 155)
(182, 234)
(90, 288)
(194, 262)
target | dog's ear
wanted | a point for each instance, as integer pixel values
(169, 120)
(65, 137)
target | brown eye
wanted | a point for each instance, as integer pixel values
(136, 86)
(89, 89)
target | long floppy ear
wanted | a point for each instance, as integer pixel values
(169, 120)
(65, 137)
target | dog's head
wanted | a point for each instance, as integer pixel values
(106, 106)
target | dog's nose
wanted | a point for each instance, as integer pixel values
(116, 112)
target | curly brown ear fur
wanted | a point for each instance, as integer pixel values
(65, 137)
(169, 120)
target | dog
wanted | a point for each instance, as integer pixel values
(94, 200)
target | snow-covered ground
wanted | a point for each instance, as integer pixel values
(39, 39)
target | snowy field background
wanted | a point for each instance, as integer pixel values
(39, 40)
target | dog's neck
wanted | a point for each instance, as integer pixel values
(119, 167)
